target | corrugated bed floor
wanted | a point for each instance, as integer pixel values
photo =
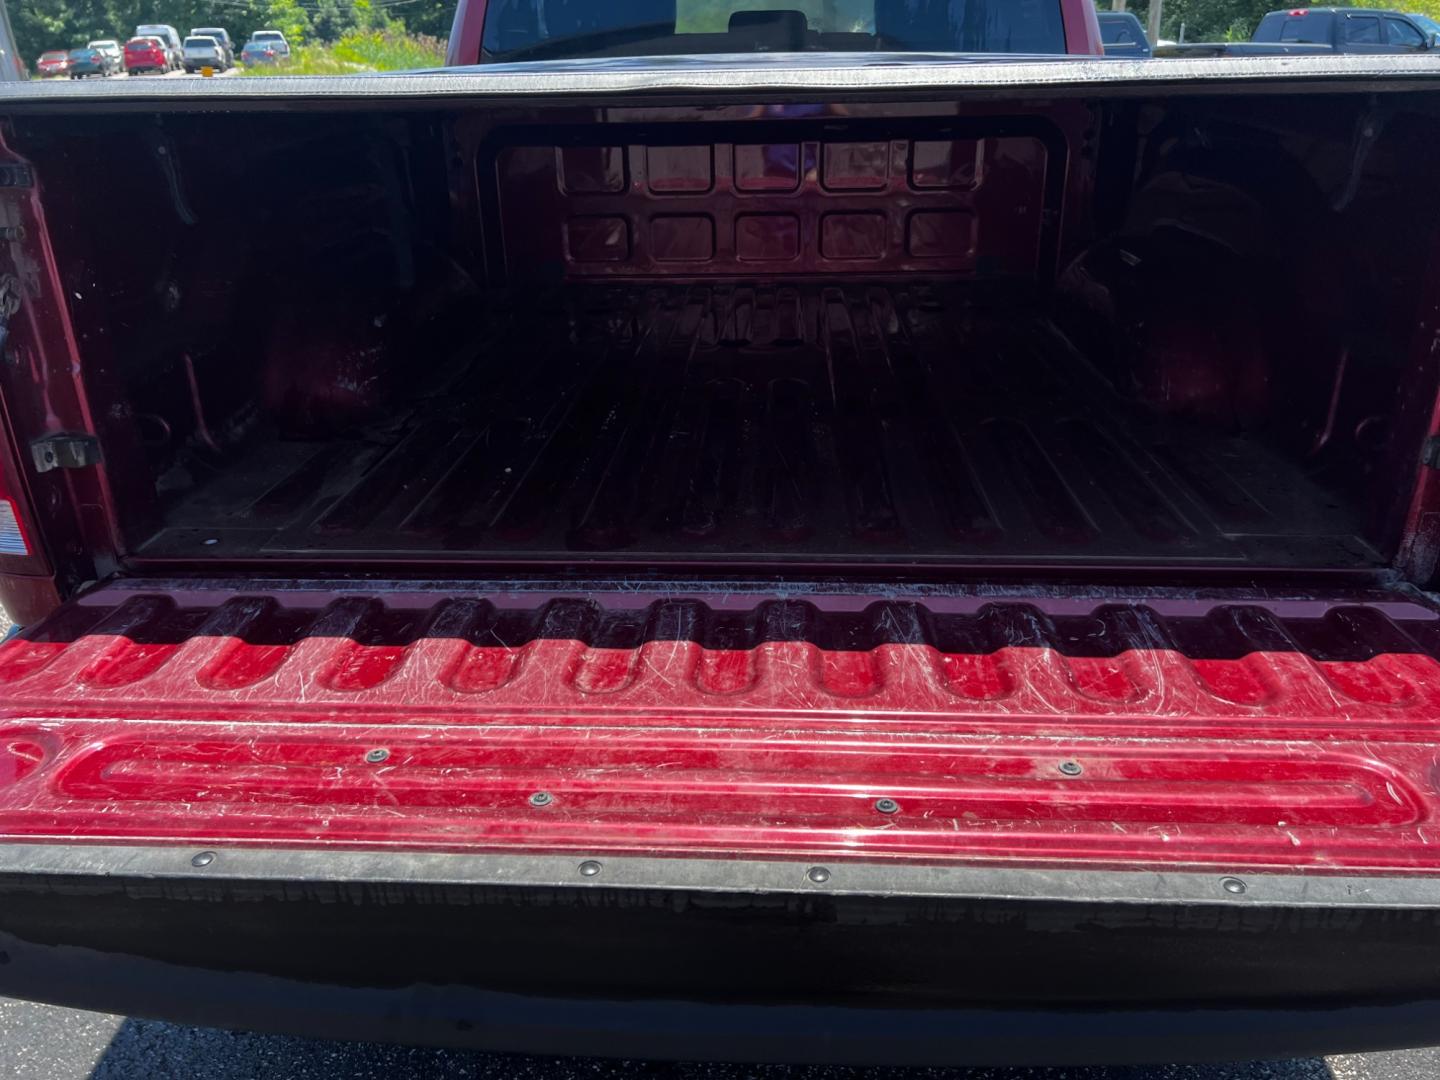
(797, 423)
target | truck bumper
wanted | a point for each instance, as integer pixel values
(661, 958)
(856, 828)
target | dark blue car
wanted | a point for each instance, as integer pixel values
(91, 61)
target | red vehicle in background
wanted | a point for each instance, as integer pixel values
(146, 54)
(54, 62)
(499, 31)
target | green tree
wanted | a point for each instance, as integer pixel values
(1212, 20)
(431, 17)
(333, 19)
(290, 19)
(369, 16)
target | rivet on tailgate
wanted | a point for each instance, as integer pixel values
(204, 858)
(376, 756)
(541, 798)
(1071, 768)
(589, 868)
(1232, 885)
(886, 806)
(818, 874)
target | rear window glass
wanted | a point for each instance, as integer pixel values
(142, 43)
(1362, 30)
(834, 16)
(548, 29)
(1307, 29)
(1399, 32)
(200, 43)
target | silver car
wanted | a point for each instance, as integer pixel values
(203, 52)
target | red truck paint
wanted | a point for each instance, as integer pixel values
(1064, 735)
(1136, 670)
(1082, 31)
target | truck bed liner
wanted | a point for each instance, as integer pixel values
(864, 423)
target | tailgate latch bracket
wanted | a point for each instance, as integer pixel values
(65, 452)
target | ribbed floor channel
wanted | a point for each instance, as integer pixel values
(774, 424)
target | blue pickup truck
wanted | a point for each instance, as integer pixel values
(1323, 31)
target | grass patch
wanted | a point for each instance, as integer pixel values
(358, 53)
(390, 52)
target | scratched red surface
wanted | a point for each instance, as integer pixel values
(1231, 732)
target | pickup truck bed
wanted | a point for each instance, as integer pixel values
(770, 422)
(823, 561)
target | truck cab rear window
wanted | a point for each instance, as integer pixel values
(1304, 30)
(1362, 30)
(1399, 32)
(554, 29)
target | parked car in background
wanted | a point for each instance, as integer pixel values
(1345, 29)
(170, 36)
(220, 34)
(203, 52)
(144, 54)
(90, 61)
(264, 52)
(115, 52)
(12, 67)
(1122, 35)
(54, 62)
(1321, 32)
(270, 36)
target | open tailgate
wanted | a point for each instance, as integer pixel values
(728, 821)
(1222, 731)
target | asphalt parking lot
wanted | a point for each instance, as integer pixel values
(66, 1044)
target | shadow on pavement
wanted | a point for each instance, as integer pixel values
(158, 1051)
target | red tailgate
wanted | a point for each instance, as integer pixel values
(1223, 730)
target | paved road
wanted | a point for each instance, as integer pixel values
(167, 75)
(48, 1043)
